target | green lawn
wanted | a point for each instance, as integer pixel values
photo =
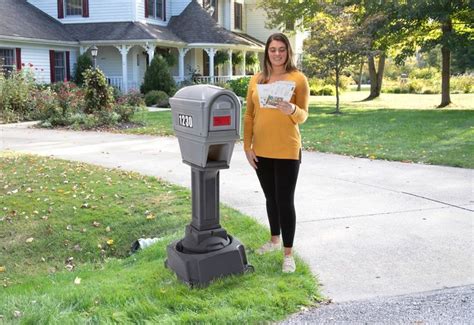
(399, 127)
(66, 230)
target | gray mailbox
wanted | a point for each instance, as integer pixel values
(206, 120)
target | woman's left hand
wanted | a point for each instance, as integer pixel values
(286, 108)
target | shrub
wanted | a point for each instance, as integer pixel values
(415, 86)
(239, 86)
(98, 94)
(125, 112)
(327, 91)
(132, 98)
(15, 94)
(158, 77)
(157, 97)
(84, 62)
(463, 83)
(425, 73)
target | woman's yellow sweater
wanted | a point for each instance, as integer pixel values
(269, 132)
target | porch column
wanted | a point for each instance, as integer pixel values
(211, 52)
(124, 51)
(150, 50)
(182, 54)
(243, 63)
(229, 64)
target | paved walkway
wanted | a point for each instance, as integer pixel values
(368, 229)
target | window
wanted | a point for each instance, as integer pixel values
(237, 15)
(59, 66)
(7, 60)
(156, 9)
(211, 7)
(73, 7)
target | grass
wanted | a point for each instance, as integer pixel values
(63, 223)
(398, 127)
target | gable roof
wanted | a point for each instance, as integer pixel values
(206, 31)
(20, 19)
(121, 31)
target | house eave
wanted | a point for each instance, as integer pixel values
(37, 41)
(225, 46)
(132, 42)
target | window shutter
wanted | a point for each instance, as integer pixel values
(68, 69)
(51, 65)
(164, 10)
(147, 10)
(18, 58)
(85, 8)
(60, 9)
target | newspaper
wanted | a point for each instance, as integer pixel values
(271, 94)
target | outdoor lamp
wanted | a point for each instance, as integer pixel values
(94, 51)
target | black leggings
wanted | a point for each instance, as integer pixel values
(278, 180)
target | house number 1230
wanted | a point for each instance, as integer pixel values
(185, 120)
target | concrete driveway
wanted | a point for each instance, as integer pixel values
(368, 229)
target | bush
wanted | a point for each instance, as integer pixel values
(462, 83)
(239, 86)
(415, 86)
(98, 94)
(125, 112)
(132, 98)
(428, 73)
(319, 87)
(157, 97)
(15, 95)
(84, 62)
(158, 77)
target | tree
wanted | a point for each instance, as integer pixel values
(336, 42)
(424, 24)
(158, 77)
(369, 15)
(84, 62)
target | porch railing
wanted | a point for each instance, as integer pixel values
(117, 82)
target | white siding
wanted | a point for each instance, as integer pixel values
(99, 11)
(36, 58)
(176, 7)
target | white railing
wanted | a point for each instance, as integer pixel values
(117, 82)
(210, 80)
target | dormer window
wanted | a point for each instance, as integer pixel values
(237, 15)
(73, 7)
(211, 7)
(155, 9)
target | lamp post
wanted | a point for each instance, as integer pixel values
(94, 51)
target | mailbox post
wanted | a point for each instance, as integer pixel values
(206, 120)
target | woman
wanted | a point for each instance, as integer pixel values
(272, 143)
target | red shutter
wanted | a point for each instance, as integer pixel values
(146, 9)
(51, 65)
(60, 9)
(164, 10)
(68, 69)
(18, 58)
(85, 8)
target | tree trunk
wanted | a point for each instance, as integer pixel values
(359, 83)
(376, 77)
(445, 67)
(337, 92)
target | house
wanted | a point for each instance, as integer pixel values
(47, 36)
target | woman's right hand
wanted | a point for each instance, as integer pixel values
(252, 158)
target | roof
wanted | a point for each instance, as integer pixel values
(21, 19)
(207, 31)
(120, 31)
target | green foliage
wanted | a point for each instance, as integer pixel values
(157, 97)
(98, 94)
(84, 62)
(239, 86)
(237, 58)
(220, 58)
(463, 84)
(15, 94)
(83, 231)
(251, 61)
(158, 77)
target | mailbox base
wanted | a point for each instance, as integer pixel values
(201, 269)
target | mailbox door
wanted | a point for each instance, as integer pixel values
(223, 113)
(190, 117)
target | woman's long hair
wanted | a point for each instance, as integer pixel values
(267, 66)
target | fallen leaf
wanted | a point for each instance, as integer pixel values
(17, 313)
(110, 242)
(107, 229)
(151, 216)
(96, 224)
(77, 280)
(2, 269)
(29, 240)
